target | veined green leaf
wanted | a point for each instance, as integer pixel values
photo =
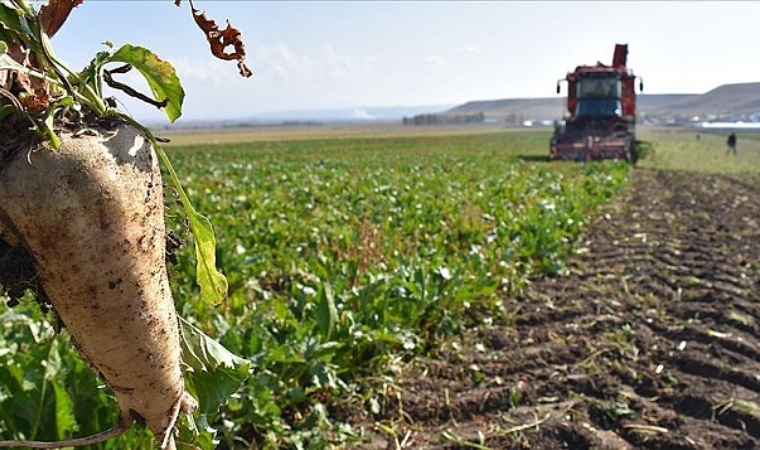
(327, 313)
(159, 74)
(216, 373)
(212, 283)
(12, 19)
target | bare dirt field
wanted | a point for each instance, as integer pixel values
(650, 342)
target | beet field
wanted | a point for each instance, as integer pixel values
(446, 290)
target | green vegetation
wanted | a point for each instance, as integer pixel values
(344, 257)
(679, 149)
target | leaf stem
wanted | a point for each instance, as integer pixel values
(48, 55)
(89, 97)
(76, 442)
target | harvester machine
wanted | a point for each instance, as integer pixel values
(600, 116)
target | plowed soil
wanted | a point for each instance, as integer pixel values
(650, 342)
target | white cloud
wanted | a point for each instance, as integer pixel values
(470, 49)
(205, 70)
(280, 71)
(433, 60)
(280, 62)
(336, 61)
(362, 113)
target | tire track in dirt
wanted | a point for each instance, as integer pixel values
(651, 341)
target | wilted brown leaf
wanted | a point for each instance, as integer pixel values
(55, 13)
(219, 40)
(34, 90)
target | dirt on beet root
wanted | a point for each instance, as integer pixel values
(17, 272)
(650, 342)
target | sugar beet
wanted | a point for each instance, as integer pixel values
(91, 215)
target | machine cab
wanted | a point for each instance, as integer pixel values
(598, 95)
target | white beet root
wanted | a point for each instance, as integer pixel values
(92, 216)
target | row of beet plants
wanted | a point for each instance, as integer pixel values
(345, 258)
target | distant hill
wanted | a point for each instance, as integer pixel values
(517, 108)
(728, 102)
(734, 99)
(738, 99)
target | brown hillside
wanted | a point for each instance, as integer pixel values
(527, 108)
(743, 98)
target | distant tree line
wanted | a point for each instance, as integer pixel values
(444, 119)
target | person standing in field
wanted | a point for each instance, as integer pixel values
(731, 143)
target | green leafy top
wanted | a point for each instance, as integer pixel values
(36, 85)
(38, 88)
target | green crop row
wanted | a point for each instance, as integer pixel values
(343, 256)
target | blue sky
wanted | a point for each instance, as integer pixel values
(323, 55)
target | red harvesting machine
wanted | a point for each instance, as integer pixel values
(600, 121)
